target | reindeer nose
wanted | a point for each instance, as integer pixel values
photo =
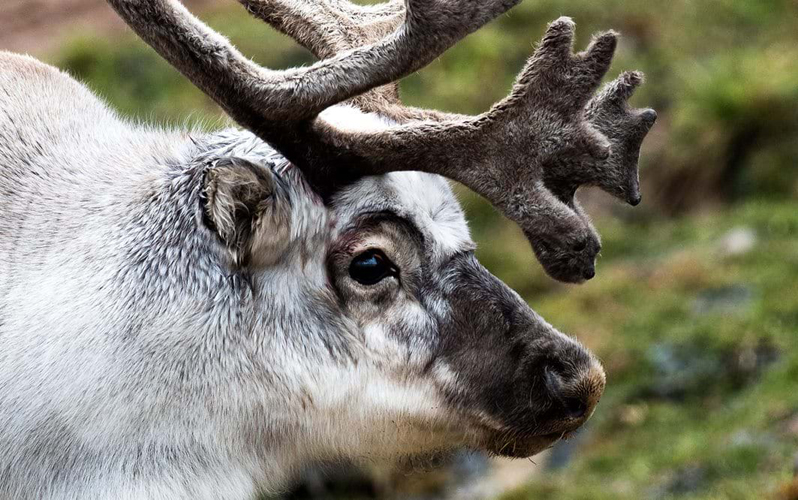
(576, 388)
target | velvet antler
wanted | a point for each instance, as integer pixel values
(527, 155)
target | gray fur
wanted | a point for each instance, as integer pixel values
(177, 319)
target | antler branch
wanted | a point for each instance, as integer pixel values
(531, 151)
(254, 95)
(527, 155)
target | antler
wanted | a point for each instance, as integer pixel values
(327, 27)
(253, 95)
(531, 151)
(526, 155)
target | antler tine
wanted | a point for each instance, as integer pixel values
(255, 96)
(626, 128)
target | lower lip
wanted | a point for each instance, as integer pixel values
(530, 447)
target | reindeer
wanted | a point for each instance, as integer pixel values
(196, 315)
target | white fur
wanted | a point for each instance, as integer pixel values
(131, 366)
(352, 119)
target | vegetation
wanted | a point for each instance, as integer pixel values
(695, 320)
(694, 310)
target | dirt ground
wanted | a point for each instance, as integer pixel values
(38, 26)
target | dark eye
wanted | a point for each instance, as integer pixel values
(371, 267)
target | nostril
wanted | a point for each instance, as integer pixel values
(572, 407)
(575, 408)
(588, 274)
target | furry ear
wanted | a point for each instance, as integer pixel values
(242, 204)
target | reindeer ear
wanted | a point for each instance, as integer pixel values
(242, 204)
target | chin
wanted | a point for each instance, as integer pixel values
(525, 448)
(501, 445)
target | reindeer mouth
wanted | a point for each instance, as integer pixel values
(505, 442)
(514, 443)
(524, 447)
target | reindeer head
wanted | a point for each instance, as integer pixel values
(377, 234)
(493, 374)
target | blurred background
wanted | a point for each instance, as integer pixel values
(694, 311)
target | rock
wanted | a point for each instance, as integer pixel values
(633, 415)
(682, 482)
(745, 364)
(738, 241)
(723, 300)
(750, 439)
(697, 370)
(681, 371)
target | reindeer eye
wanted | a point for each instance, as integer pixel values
(371, 267)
